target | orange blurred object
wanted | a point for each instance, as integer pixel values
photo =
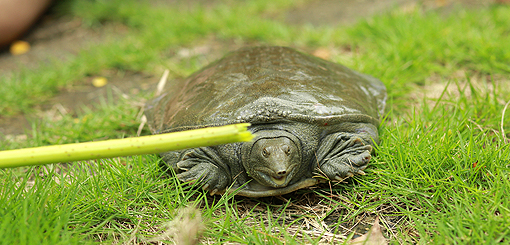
(19, 47)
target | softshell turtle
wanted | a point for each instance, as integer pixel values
(310, 117)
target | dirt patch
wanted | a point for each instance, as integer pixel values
(309, 214)
(60, 38)
(458, 84)
(75, 98)
(51, 39)
(334, 12)
(56, 39)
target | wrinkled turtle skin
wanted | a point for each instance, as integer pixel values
(310, 118)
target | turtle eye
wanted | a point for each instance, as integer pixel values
(265, 152)
(286, 149)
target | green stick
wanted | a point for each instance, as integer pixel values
(125, 147)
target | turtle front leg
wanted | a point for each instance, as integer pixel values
(203, 165)
(341, 155)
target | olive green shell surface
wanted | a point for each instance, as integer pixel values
(267, 85)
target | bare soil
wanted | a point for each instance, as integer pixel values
(62, 37)
(334, 12)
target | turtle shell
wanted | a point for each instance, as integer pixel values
(268, 85)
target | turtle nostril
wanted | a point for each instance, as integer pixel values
(282, 172)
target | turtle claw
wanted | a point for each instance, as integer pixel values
(342, 157)
(339, 179)
(213, 192)
(211, 177)
(183, 165)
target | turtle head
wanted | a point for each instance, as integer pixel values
(272, 158)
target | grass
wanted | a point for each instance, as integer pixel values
(441, 173)
(449, 167)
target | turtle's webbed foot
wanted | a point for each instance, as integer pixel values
(345, 158)
(209, 175)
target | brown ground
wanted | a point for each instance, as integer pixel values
(60, 38)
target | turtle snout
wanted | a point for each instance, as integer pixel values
(280, 169)
(281, 172)
(281, 175)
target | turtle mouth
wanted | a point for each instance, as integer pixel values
(268, 178)
(273, 181)
(279, 180)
